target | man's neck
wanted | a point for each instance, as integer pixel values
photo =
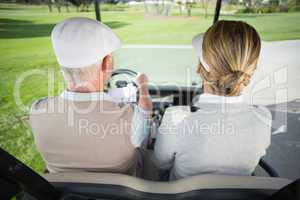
(85, 89)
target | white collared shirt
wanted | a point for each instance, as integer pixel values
(211, 98)
(141, 118)
(91, 96)
(225, 136)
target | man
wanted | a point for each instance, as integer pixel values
(84, 128)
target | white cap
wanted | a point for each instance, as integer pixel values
(80, 42)
(197, 44)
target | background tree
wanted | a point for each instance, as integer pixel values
(189, 6)
(294, 5)
(49, 3)
(205, 5)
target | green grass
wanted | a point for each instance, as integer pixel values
(25, 45)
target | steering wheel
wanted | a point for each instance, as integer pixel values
(122, 83)
(124, 90)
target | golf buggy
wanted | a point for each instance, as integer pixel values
(275, 177)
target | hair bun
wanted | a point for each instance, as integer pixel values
(233, 83)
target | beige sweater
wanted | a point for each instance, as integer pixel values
(83, 135)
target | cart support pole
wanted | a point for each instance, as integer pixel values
(217, 10)
(97, 10)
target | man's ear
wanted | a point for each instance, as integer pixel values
(107, 64)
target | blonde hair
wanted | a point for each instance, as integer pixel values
(231, 49)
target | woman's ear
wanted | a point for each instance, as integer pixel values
(205, 75)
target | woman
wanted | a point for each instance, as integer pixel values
(225, 135)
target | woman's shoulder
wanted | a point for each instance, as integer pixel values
(176, 109)
(263, 114)
(262, 110)
(176, 114)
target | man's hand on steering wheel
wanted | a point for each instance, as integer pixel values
(144, 96)
(141, 80)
